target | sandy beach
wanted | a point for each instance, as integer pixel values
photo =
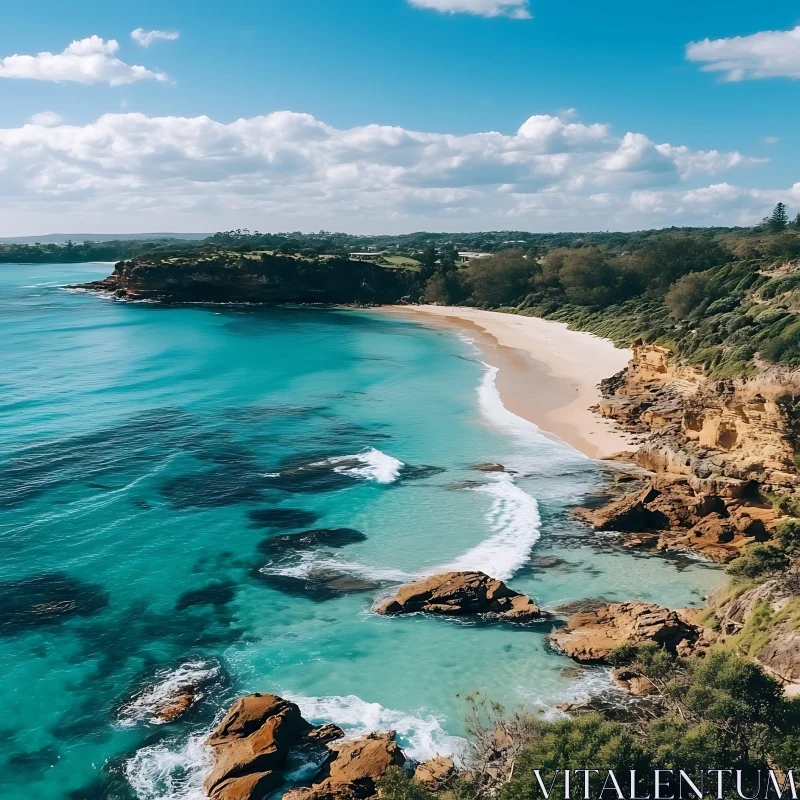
(546, 373)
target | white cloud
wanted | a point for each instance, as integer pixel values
(46, 118)
(88, 61)
(289, 171)
(768, 54)
(145, 38)
(516, 9)
(770, 139)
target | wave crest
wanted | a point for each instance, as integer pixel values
(370, 464)
(514, 518)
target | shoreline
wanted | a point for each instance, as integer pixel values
(547, 374)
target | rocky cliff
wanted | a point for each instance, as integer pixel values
(720, 455)
(227, 277)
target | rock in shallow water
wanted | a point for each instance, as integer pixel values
(251, 745)
(461, 593)
(46, 600)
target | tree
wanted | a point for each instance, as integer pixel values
(779, 219)
(666, 258)
(428, 261)
(501, 279)
(447, 258)
(687, 294)
(758, 561)
(590, 276)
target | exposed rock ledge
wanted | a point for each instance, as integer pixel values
(353, 769)
(672, 513)
(717, 448)
(591, 637)
(462, 593)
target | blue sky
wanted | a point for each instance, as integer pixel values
(356, 63)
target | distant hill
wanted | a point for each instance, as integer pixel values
(62, 238)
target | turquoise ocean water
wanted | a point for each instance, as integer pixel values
(151, 457)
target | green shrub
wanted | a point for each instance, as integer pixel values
(573, 744)
(758, 561)
(396, 785)
(789, 536)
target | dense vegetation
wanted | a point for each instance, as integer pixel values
(722, 298)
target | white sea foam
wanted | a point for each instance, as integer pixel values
(370, 464)
(559, 454)
(590, 683)
(310, 563)
(170, 771)
(168, 684)
(514, 519)
(421, 737)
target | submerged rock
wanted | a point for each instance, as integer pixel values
(46, 600)
(592, 636)
(319, 583)
(461, 593)
(353, 769)
(306, 540)
(489, 466)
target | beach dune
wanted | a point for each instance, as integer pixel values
(547, 373)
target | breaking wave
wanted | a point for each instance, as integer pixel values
(514, 519)
(370, 464)
(421, 737)
(171, 771)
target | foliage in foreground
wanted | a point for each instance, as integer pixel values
(721, 710)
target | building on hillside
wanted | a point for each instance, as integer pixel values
(367, 256)
(467, 255)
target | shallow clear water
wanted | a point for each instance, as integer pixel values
(144, 453)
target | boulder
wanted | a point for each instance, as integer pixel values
(780, 657)
(353, 769)
(325, 733)
(177, 707)
(434, 773)
(593, 636)
(629, 513)
(632, 682)
(250, 746)
(489, 466)
(461, 593)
